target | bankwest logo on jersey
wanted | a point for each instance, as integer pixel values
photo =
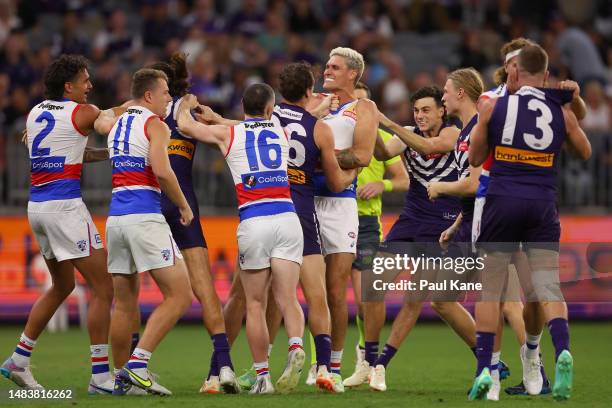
(265, 179)
(296, 176)
(512, 155)
(181, 147)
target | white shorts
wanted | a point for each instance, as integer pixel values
(338, 223)
(273, 236)
(63, 229)
(139, 243)
(478, 207)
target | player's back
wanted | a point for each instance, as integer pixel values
(181, 148)
(258, 157)
(526, 132)
(304, 154)
(135, 187)
(56, 148)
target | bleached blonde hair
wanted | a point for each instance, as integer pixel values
(354, 60)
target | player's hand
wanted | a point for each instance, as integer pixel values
(433, 191)
(186, 215)
(570, 86)
(190, 101)
(447, 236)
(383, 119)
(206, 115)
(370, 190)
(335, 103)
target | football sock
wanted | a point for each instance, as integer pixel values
(139, 362)
(559, 331)
(484, 350)
(295, 343)
(135, 340)
(323, 350)
(385, 357)
(261, 368)
(371, 352)
(100, 370)
(213, 370)
(222, 351)
(532, 343)
(361, 329)
(23, 351)
(335, 362)
(313, 348)
(494, 368)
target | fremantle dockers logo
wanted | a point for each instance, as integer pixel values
(82, 245)
(165, 254)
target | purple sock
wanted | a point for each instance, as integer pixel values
(214, 367)
(222, 350)
(559, 331)
(323, 349)
(544, 378)
(484, 350)
(385, 357)
(371, 352)
(135, 340)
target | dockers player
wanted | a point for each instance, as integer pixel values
(526, 132)
(57, 130)
(354, 125)
(139, 239)
(270, 241)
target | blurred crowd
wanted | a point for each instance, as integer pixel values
(232, 43)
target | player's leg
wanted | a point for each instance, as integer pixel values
(125, 313)
(17, 367)
(356, 283)
(274, 318)
(338, 268)
(459, 319)
(235, 307)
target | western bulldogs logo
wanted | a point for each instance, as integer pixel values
(249, 181)
(165, 254)
(241, 258)
(82, 245)
(352, 235)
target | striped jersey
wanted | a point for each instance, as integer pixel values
(425, 169)
(135, 187)
(56, 148)
(257, 157)
(463, 164)
(342, 123)
(181, 148)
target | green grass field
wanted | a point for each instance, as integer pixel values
(433, 368)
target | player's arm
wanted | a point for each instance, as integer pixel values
(443, 143)
(85, 117)
(479, 145)
(577, 105)
(159, 136)
(447, 235)
(387, 150)
(320, 105)
(107, 118)
(466, 187)
(364, 138)
(577, 142)
(398, 181)
(204, 114)
(95, 154)
(336, 178)
(213, 134)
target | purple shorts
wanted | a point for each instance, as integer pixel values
(310, 229)
(518, 220)
(407, 229)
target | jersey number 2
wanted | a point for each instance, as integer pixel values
(37, 151)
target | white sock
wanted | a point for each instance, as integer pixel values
(139, 362)
(335, 363)
(495, 362)
(295, 342)
(532, 349)
(23, 351)
(261, 368)
(100, 370)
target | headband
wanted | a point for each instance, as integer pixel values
(512, 54)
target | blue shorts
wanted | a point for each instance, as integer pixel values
(310, 229)
(368, 241)
(518, 220)
(190, 236)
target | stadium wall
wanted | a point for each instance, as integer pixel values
(23, 272)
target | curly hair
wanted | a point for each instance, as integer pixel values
(295, 79)
(176, 71)
(62, 70)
